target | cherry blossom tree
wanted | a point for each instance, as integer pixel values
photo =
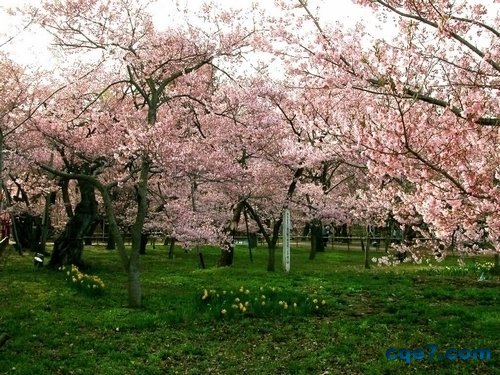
(22, 94)
(154, 77)
(422, 109)
(12, 96)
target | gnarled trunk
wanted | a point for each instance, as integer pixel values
(68, 247)
(90, 232)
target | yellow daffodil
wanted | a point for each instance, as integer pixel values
(205, 295)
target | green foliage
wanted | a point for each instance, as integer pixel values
(59, 330)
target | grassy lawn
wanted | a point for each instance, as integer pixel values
(57, 329)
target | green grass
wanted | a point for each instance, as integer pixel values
(57, 329)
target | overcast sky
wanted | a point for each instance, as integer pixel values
(30, 48)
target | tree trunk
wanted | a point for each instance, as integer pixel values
(144, 242)
(251, 237)
(388, 235)
(317, 244)
(64, 184)
(271, 241)
(130, 264)
(49, 199)
(15, 235)
(271, 258)
(201, 259)
(90, 232)
(134, 285)
(226, 256)
(135, 297)
(227, 251)
(110, 245)
(344, 233)
(68, 247)
(366, 249)
(171, 248)
(28, 232)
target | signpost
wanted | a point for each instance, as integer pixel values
(286, 240)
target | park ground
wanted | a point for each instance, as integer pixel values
(55, 328)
